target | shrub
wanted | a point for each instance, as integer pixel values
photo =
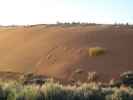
(96, 51)
(56, 91)
(92, 76)
(79, 71)
(27, 93)
(53, 91)
(127, 78)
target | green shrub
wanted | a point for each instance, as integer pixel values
(53, 91)
(56, 91)
(28, 93)
(96, 51)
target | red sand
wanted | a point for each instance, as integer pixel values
(58, 51)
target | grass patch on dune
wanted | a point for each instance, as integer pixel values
(96, 51)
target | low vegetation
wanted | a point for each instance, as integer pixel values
(54, 91)
(92, 76)
(51, 90)
(96, 51)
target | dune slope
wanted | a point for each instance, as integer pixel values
(57, 51)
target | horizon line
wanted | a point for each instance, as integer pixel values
(72, 22)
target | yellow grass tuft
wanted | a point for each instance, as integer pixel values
(96, 51)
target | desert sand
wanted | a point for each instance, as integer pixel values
(57, 51)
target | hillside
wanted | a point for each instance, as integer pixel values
(57, 51)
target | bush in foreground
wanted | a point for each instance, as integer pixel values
(55, 91)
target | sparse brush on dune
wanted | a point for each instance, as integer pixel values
(96, 51)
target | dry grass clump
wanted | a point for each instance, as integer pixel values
(79, 71)
(96, 51)
(56, 91)
(93, 76)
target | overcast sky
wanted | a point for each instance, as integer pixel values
(50, 11)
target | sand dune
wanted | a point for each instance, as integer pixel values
(57, 51)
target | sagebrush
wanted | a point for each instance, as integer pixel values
(55, 91)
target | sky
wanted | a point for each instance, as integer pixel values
(24, 12)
